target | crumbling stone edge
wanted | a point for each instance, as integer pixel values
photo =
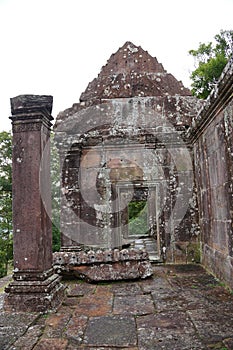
(104, 264)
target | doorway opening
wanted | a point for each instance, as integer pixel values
(138, 218)
(139, 221)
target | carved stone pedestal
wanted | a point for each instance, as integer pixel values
(34, 293)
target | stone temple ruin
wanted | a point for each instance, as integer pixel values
(146, 176)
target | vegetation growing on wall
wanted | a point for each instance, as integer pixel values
(210, 60)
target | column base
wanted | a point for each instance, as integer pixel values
(34, 296)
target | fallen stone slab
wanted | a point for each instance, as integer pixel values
(104, 265)
(125, 270)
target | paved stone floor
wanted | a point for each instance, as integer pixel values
(181, 307)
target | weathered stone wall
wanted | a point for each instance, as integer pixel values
(131, 146)
(212, 135)
(127, 139)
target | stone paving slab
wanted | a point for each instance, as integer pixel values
(156, 285)
(180, 308)
(167, 330)
(133, 304)
(76, 328)
(213, 324)
(52, 344)
(111, 331)
(80, 289)
(29, 340)
(126, 288)
(74, 347)
(13, 326)
(55, 325)
(98, 304)
(179, 300)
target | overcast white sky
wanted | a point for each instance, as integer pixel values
(56, 47)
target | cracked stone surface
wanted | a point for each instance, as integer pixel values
(167, 330)
(133, 304)
(13, 326)
(111, 331)
(181, 307)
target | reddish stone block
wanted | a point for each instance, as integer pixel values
(76, 328)
(55, 325)
(98, 304)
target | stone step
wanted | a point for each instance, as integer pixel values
(150, 245)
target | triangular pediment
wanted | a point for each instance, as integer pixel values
(132, 72)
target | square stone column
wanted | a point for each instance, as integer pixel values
(35, 286)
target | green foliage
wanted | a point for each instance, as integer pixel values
(210, 61)
(134, 209)
(137, 214)
(6, 238)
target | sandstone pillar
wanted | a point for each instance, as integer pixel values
(35, 287)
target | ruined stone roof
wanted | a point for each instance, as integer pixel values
(131, 72)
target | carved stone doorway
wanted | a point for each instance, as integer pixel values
(138, 219)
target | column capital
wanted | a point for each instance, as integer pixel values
(29, 112)
(27, 104)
